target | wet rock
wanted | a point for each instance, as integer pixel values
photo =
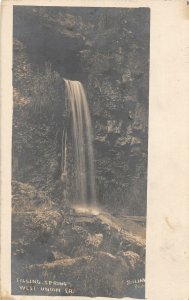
(95, 239)
(123, 141)
(110, 272)
(114, 126)
(132, 258)
(47, 223)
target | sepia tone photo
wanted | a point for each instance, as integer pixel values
(79, 151)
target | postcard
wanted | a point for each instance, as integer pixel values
(94, 150)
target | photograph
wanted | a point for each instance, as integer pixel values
(80, 86)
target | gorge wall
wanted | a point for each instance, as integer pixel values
(111, 59)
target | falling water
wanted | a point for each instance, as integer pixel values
(83, 144)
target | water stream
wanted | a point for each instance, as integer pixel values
(85, 187)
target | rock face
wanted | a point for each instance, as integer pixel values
(94, 254)
(108, 51)
(111, 59)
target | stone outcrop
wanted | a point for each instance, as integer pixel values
(57, 244)
(111, 59)
(108, 51)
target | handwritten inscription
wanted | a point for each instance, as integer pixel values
(60, 287)
(46, 286)
(138, 283)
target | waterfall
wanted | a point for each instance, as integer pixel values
(85, 189)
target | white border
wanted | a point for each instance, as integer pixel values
(167, 261)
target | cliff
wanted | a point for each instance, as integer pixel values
(111, 60)
(108, 51)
